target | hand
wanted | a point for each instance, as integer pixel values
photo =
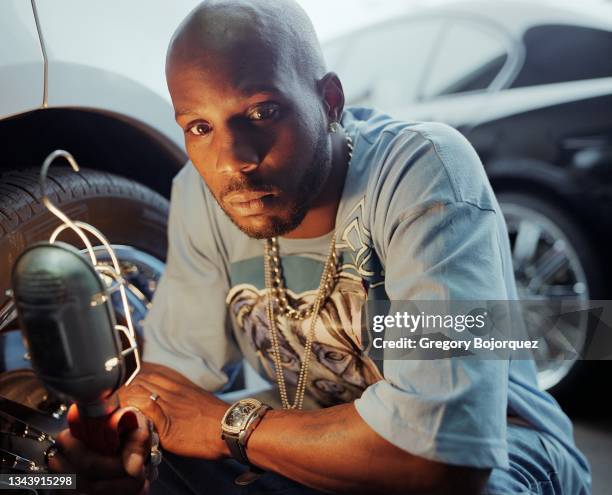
(187, 418)
(97, 473)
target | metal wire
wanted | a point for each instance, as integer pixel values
(54, 209)
(114, 272)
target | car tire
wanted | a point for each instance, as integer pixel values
(580, 380)
(126, 212)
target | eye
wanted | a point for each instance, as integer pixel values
(198, 128)
(265, 111)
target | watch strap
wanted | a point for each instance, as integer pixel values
(237, 442)
(236, 449)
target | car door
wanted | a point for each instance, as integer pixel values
(471, 62)
(382, 66)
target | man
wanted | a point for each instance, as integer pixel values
(291, 213)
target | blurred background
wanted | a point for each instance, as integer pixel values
(529, 83)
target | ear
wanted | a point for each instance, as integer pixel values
(332, 95)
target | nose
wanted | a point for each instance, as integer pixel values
(236, 154)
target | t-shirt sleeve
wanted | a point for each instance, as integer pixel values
(187, 328)
(440, 244)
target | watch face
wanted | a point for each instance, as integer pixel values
(238, 415)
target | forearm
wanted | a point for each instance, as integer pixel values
(330, 449)
(334, 450)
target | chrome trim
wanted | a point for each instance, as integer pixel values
(41, 39)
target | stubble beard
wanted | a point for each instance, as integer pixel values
(309, 189)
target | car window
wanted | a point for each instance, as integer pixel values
(383, 66)
(561, 53)
(467, 59)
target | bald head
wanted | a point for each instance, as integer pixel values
(250, 92)
(248, 36)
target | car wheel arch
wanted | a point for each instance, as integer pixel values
(100, 140)
(547, 181)
(550, 183)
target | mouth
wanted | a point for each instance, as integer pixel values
(251, 202)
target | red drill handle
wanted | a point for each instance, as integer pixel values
(103, 434)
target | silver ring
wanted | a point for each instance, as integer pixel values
(154, 397)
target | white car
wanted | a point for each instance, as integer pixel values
(86, 77)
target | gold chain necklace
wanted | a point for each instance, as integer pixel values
(277, 293)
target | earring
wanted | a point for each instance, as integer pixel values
(333, 127)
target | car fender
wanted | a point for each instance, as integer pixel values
(564, 189)
(110, 56)
(111, 92)
(21, 65)
(524, 170)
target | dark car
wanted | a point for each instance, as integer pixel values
(530, 85)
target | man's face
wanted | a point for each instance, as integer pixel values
(258, 139)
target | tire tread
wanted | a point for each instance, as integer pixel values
(21, 199)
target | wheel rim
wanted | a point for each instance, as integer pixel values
(547, 268)
(141, 272)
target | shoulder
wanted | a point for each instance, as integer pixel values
(425, 162)
(452, 152)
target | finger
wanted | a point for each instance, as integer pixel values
(138, 391)
(168, 388)
(137, 395)
(152, 409)
(155, 375)
(137, 447)
(86, 461)
(140, 398)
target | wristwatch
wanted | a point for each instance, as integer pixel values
(238, 424)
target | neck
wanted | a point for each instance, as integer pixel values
(321, 218)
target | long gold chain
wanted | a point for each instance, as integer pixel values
(327, 280)
(277, 293)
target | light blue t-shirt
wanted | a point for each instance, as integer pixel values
(417, 220)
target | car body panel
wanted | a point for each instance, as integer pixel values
(21, 59)
(574, 161)
(98, 58)
(526, 99)
(486, 106)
